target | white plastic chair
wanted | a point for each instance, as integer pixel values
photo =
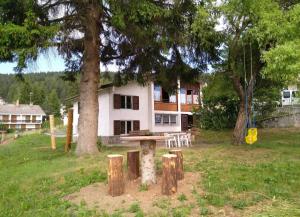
(170, 141)
(185, 140)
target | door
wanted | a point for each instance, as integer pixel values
(184, 122)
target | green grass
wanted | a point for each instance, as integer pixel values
(34, 179)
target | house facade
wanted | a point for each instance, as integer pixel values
(21, 116)
(134, 107)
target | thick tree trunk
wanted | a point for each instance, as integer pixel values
(89, 108)
(239, 129)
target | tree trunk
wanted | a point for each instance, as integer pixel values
(133, 164)
(169, 178)
(147, 162)
(239, 129)
(89, 108)
(116, 185)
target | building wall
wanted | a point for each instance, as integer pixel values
(104, 112)
(142, 114)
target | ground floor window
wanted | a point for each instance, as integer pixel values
(165, 119)
(126, 126)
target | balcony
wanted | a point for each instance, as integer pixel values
(165, 106)
(189, 107)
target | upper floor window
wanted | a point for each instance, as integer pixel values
(126, 102)
(183, 95)
(157, 92)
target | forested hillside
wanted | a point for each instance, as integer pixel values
(48, 90)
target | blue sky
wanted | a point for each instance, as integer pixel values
(49, 62)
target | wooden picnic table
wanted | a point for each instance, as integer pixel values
(148, 146)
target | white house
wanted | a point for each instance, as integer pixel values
(134, 107)
(21, 116)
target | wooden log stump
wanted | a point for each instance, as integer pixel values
(133, 164)
(169, 179)
(116, 185)
(147, 162)
(179, 163)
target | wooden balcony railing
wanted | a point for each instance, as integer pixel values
(163, 106)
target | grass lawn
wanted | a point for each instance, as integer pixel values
(258, 180)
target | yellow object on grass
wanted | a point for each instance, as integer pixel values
(251, 136)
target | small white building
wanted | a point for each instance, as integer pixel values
(21, 116)
(134, 107)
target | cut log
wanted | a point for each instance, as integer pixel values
(133, 164)
(169, 179)
(147, 162)
(116, 185)
(179, 163)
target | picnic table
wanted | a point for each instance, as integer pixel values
(148, 146)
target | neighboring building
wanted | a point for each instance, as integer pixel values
(2, 102)
(290, 96)
(134, 107)
(21, 116)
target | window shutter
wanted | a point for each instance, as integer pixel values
(136, 103)
(136, 125)
(117, 101)
(117, 127)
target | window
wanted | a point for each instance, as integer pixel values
(173, 98)
(286, 94)
(295, 94)
(189, 96)
(173, 119)
(157, 92)
(126, 102)
(158, 118)
(125, 127)
(183, 95)
(165, 119)
(196, 97)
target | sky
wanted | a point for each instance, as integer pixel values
(49, 62)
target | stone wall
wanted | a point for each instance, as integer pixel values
(283, 117)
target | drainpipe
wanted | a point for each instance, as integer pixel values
(179, 102)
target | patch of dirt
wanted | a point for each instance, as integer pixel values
(95, 196)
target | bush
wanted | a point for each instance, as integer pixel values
(217, 113)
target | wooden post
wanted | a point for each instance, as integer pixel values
(116, 185)
(52, 131)
(169, 179)
(133, 164)
(69, 130)
(179, 163)
(147, 161)
(2, 137)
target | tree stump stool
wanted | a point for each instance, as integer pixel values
(116, 185)
(169, 179)
(133, 164)
(179, 163)
(147, 162)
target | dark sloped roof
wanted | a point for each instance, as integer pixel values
(21, 109)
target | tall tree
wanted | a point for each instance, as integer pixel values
(243, 47)
(110, 31)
